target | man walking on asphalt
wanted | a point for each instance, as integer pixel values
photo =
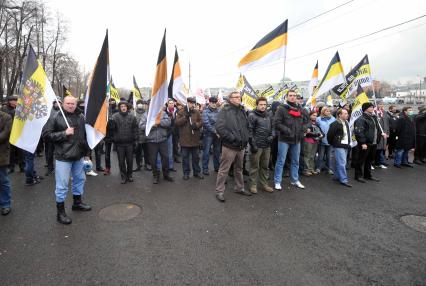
(232, 127)
(188, 120)
(70, 148)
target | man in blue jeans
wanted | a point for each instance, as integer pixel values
(291, 126)
(210, 136)
(70, 148)
(31, 177)
(339, 136)
(5, 191)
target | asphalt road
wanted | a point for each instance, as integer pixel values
(324, 235)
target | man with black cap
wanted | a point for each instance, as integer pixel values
(367, 134)
(188, 120)
(210, 136)
(124, 128)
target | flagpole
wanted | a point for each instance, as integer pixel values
(375, 102)
(62, 112)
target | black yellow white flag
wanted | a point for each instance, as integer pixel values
(270, 48)
(34, 105)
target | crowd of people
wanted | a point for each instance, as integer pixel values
(267, 143)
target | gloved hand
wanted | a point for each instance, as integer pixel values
(270, 139)
(194, 127)
(253, 149)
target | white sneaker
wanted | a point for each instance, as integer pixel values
(91, 173)
(383, 167)
(372, 168)
(277, 187)
(298, 184)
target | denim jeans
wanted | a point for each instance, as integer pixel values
(29, 167)
(283, 148)
(339, 167)
(5, 190)
(401, 157)
(63, 171)
(208, 141)
(380, 157)
(186, 152)
(327, 151)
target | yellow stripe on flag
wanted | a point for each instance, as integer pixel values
(256, 54)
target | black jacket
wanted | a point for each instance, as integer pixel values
(364, 129)
(290, 122)
(420, 121)
(392, 122)
(406, 133)
(260, 129)
(335, 135)
(67, 148)
(124, 128)
(232, 127)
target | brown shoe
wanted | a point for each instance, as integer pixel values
(268, 189)
(253, 190)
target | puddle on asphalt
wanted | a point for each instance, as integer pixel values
(120, 212)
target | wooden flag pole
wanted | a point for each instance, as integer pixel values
(62, 112)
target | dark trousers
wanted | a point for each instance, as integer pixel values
(108, 146)
(16, 157)
(175, 140)
(193, 152)
(30, 174)
(153, 150)
(138, 155)
(48, 152)
(363, 163)
(125, 160)
(98, 153)
(145, 153)
(420, 151)
(391, 142)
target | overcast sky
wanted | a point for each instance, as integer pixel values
(215, 35)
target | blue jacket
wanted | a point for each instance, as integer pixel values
(209, 120)
(324, 124)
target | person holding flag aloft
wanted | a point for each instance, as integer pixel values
(189, 122)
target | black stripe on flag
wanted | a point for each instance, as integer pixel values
(281, 29)
(98, 85)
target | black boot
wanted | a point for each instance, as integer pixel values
(78, 205)
(61, 216)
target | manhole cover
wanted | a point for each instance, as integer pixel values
(415, 221)
(120, 212)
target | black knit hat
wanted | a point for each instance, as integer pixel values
(366, 106)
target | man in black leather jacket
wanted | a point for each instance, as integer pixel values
(260, 129)
(367, 134)
(70, 148)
